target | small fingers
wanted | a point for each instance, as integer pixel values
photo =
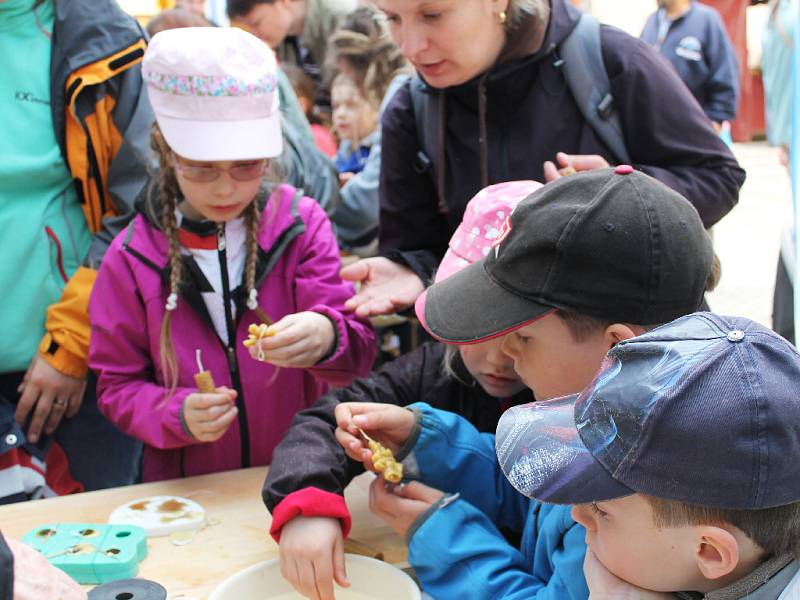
(353, 446)
(339, 564)
(211, 414)
(323, 577)
(211, 431)
(414, 490)
(344, 416)
(306, 580)
(200, 401)
(550, 172)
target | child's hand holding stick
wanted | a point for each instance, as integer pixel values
(208, 414)
(390, 423)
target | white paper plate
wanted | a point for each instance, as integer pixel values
(160, 515)
(369, 579)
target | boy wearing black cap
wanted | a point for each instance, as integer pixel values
(584, 263)
(681, 459)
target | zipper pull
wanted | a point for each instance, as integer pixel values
(221, 237)
(231, 359)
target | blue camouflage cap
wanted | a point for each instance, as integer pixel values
(704, 410)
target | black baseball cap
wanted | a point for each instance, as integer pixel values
(612, 243)
(704, 410)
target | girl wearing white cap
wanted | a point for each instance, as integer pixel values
(215, 249)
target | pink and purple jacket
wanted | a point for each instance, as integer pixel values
(298, 270)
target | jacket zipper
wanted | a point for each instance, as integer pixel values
(230, 348)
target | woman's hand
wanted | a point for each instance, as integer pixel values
(50, 394)
(572, 163)
(389, 424)
(312, 556)
(403, 505)
(208, 416)
(300, 340)
(386, 287)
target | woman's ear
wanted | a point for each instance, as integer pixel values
(717, 551)
(500, 6)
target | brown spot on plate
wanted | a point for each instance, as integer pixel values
(171, 506)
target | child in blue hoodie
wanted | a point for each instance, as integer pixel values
(584, 263)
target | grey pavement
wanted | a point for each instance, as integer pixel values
(747, 240)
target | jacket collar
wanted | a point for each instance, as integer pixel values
(86, 31)
(764, 583)
(280, 225)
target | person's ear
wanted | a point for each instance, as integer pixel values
(717, 551)
(618, 332)
(500, 6)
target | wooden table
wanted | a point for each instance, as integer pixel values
(238, 539)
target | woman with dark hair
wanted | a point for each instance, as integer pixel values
(493, 73)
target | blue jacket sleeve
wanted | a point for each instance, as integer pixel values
(459, 553)
(452, 455)
(722, 87)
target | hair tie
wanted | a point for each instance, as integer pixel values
(252, 299)
(172, 301)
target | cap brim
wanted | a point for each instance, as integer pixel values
(544, 458)
(223, 140)
(468, 307)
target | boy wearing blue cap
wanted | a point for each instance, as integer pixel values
(682, 460)
(582, 264)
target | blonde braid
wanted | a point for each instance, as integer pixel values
(167, 196)
(251, 222)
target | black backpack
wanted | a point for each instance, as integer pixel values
(582, 62)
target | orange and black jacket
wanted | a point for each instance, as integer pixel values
(102, 119)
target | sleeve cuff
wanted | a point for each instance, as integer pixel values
(310, 502)
(61, 359)
(339, 333)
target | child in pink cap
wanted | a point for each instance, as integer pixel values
(219, 246)
(309, 516)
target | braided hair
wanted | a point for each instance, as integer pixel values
(252, 222)
(168, 192)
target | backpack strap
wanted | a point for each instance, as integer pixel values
(427, 119)
(427, 116)
(582, 64)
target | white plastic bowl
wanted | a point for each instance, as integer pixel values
(370, 579)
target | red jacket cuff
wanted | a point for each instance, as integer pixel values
(310, 502)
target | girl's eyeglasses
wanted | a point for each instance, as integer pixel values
(240, 172)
